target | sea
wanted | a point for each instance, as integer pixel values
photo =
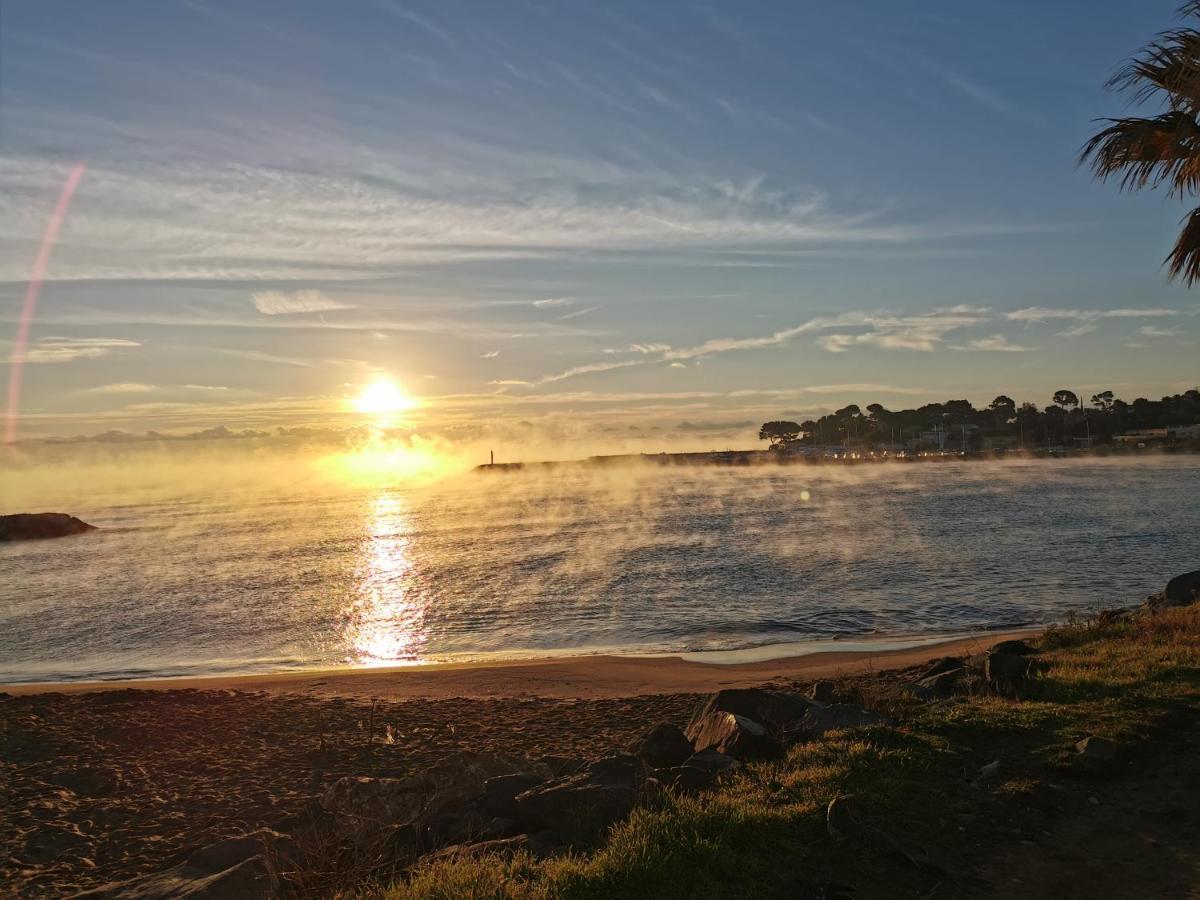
(210, 575)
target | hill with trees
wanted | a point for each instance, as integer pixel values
(957, 424)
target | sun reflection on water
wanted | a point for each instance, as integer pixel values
(386, 621)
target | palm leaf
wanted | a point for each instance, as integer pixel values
(1148, 151)
(1184, 259)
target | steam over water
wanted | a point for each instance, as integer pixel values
(637, 559)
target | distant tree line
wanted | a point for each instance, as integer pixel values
(958, 424)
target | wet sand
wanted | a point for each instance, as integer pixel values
(581, 677)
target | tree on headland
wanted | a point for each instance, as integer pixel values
(1162, 149)
(956, 423)
(779, 433)
(1065, 399)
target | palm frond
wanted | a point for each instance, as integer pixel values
(1148, 151)
(1168, 65)
(1184, 259)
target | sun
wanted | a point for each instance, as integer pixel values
(381, 397)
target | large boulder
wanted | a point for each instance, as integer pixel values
(449, 787)
(938, 686)
(663, 746)
(1014, 646)
(1182, 590)
(500, 793)
(700, 772)
(580, 808)
(1097, 755)
(836, 717)
(734, 735)
(1009, 674)
(38, 526)
(236, 867)
(774, 709)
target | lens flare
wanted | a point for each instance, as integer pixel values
(41, 261)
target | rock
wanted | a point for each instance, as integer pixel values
(941, 685)
(435, 796)
(688, 779)
(500, 793)
(499, 827)
(1015, 647)
(714, 761)
(539, 846)
(773, 709)
(835, 717)
(734, 735)
(838, 821)
(663, 746)
(580, 808)
(821, 691)
(233, 868)
(562, 765)
(701, 771)
(1009, 674)
(1182, 590)
(944, 664)
(39, 526)
(1097, 754)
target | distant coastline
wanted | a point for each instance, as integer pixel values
(821, 456)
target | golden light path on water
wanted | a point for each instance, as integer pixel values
(386, 622)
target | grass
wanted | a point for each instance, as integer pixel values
(923, 814)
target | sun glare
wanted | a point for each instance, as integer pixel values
(382, 397)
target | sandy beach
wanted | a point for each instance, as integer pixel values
(105, 781)
(578, 677)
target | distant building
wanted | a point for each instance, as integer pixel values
(1141, 436)
(1184, 432)
(1002, 441)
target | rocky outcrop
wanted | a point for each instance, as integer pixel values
(775, 710)
(1182, 590)
(1097, 755)
(580, 808)
(1015, 647)
(733, 735)
(663, 746)
(447, 802)
(1010, 675)
(38, 526)
(235, 867)
(818, 721)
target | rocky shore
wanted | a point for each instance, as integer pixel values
(224, 793)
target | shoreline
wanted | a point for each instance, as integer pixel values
(581, 677)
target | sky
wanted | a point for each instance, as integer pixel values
(574, 218)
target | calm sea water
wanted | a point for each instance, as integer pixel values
(640, 559)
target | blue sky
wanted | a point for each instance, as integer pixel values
(572, 216)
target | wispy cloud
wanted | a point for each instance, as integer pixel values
(170, 222)
(1077, 330)
(1151, 332)
(1045, 314)
(577, 313)
(123, 387)
(585, 370)
(640, 348)
(491, 354)
(64, 350)
(281, 303)
(996, 343)
(553, 301)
